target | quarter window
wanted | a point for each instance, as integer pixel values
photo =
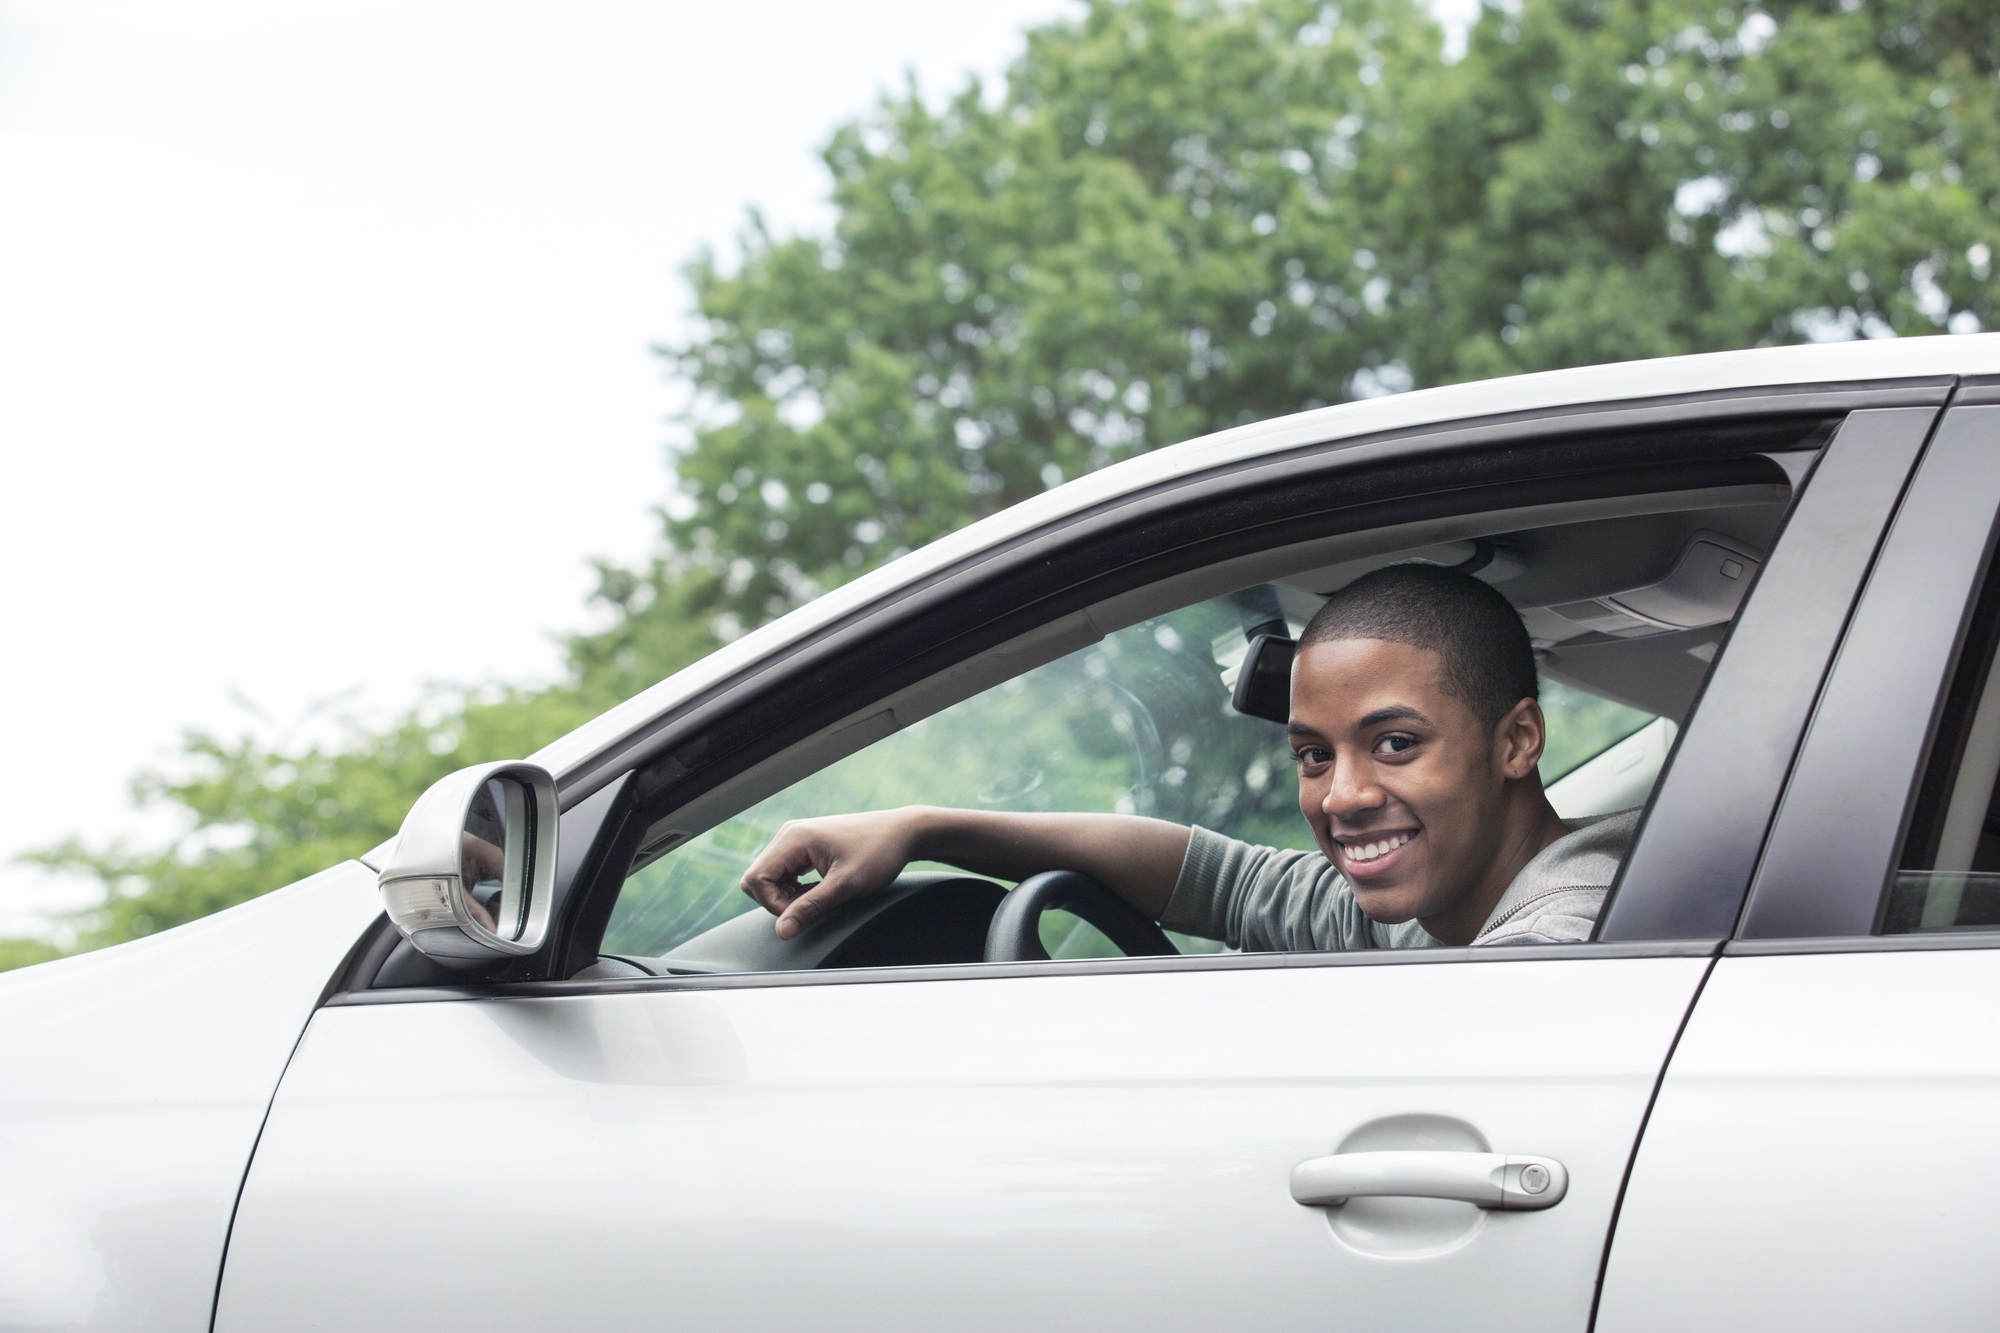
(1948, 878)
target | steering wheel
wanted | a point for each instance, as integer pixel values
(1014, 937)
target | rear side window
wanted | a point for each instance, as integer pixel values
(1948, 878)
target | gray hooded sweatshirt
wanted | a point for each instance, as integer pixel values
(1261, 899)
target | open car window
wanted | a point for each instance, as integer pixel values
(1139, 723)
(1142, 722)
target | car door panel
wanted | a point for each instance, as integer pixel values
(1822, 1155)
(1061, 1151)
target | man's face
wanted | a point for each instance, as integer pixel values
(1404, 787)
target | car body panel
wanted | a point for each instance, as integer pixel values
(135, 1083)
(1822, 1154)
(976, 1153)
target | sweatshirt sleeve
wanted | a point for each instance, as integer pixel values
(1259, 899)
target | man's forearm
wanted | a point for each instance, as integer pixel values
(1138, 859)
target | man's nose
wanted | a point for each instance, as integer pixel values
(1351, 789)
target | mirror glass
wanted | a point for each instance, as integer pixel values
(496, 856)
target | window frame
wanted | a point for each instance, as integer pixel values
(860, 720)
(1847, 808)
(1518, 460)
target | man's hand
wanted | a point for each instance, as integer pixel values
(854, 855)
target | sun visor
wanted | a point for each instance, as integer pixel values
(1704, 587)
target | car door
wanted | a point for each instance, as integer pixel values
(1064, 1144)
(1822, 1154)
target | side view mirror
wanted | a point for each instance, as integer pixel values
(473, 873)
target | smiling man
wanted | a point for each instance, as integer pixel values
(1416, 732)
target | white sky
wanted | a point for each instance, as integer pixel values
(309, 310)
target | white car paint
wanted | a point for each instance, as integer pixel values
(133, 1083)
(976, 1153)
(1825, 1153)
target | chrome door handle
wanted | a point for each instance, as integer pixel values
(1488, 1179)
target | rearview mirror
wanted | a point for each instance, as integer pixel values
(473, 872)
(1264, 681)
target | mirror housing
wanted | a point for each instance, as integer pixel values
(1264, 681)
(457, 895)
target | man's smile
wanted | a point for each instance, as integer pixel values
(1370, 854)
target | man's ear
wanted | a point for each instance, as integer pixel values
(1519, 738)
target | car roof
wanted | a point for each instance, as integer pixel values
(1623, 382)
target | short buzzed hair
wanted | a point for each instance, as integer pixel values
(1489, 665)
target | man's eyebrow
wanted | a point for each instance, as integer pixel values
(1393, 713)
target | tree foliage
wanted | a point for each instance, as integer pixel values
(1178, 215)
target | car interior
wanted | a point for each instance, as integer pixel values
(1169, 700)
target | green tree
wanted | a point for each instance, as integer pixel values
(1183, 214)
(1128, 246)
(1179, 215)
(1645, 179)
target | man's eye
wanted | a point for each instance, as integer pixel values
(1395, 744)
(1310, 756)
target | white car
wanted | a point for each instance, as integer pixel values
(599, 1092)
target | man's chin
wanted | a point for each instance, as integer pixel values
(1386, 906)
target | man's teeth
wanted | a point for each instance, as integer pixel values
(1369, 851)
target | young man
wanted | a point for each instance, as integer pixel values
(1416, 732)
